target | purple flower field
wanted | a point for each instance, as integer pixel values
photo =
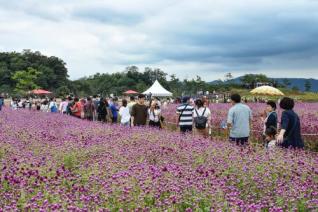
(55, 162)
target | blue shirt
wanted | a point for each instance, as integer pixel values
(113, 108)
(239, 116)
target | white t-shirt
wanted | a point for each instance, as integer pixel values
(154, 116)
(20, 104)
(14, 105)
(207, 113)
(44, 108)
(124, 114)
(63, 106)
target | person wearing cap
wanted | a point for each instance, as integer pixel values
(185, 115)
(139, 112)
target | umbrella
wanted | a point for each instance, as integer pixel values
(267, 90)
(131, 92)
(41, 91)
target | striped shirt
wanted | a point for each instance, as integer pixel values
(185, 112)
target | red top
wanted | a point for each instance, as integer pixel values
(77, 108)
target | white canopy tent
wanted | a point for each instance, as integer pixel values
(157, 90)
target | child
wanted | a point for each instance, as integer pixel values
(270, 140)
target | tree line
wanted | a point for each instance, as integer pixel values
(25, 71)
(21, 72)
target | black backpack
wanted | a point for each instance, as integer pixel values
(200, 121)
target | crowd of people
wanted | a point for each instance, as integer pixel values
(239, 122)
(192, 116)
(106, 110)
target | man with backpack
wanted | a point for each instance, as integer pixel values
(185, 116)
(202, 117)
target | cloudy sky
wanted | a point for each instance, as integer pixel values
(183, 37)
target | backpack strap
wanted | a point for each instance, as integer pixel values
(204, 111)
(197, 112)
(182, 111)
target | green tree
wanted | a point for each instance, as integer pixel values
(250, 80)
(307, 85)
(175, 85)
(63, 91)
(53, 70)
(25, 80)
(228, 76)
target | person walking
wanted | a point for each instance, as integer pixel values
(154, 114)
(83, 102)
(114, 110)
(96, 100)
(28, 103)
(1, 101)
(270, 140)
(38, 105)
(271, 115)
(202, 118)
(89, 109)
(53, 106)
(290, 133)
(238, 121)
(77, 108)
(131, 103)
(185, 116)
(102, 110)
(124, 113)
(63, 106)
(139, 112)
(45, 106)
(14, 104)
(69, 105)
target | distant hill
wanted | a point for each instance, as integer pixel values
(294, 82)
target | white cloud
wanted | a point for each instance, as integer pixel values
(184, 37)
